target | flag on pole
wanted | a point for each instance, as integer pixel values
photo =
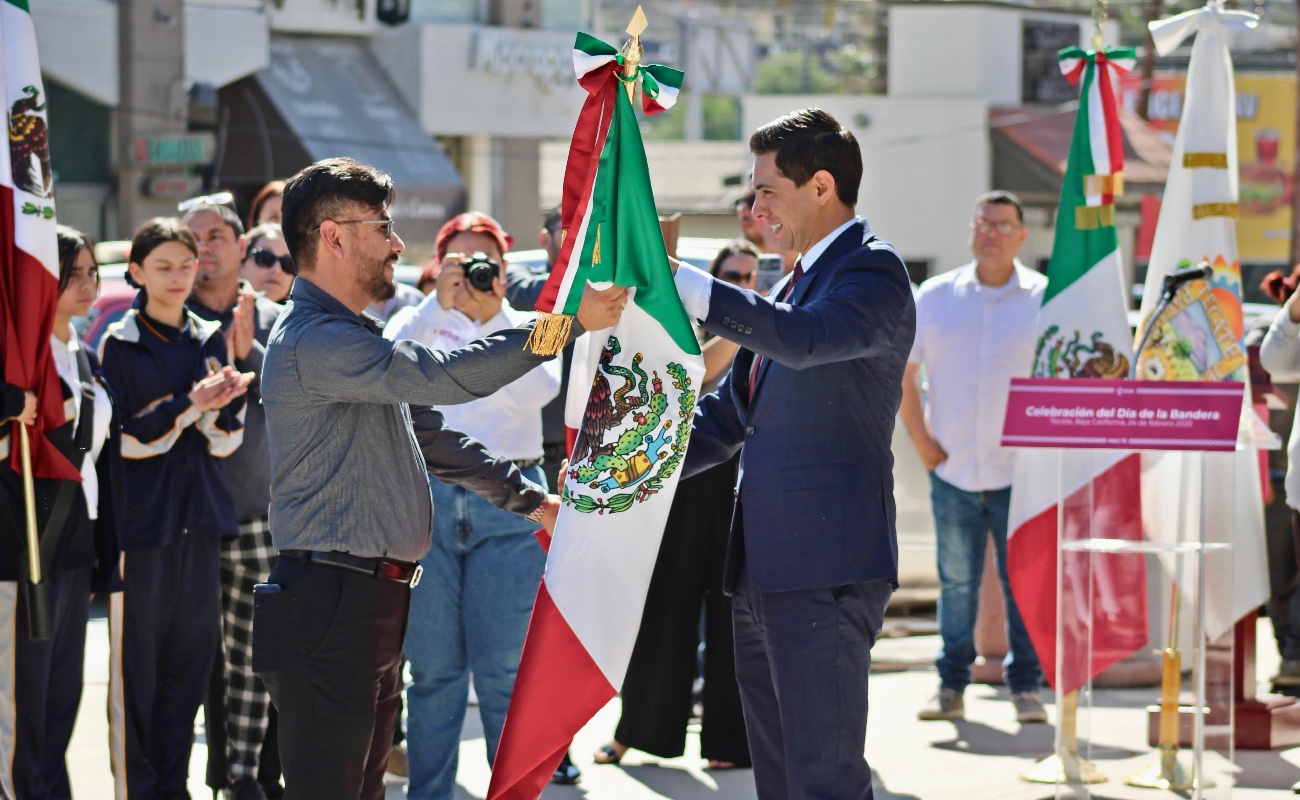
(1083, 333)
(29, 252)
(1198, 222)
(636, 386)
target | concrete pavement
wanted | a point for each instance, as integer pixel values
(979, 759)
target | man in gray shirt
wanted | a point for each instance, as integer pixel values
(351, 511)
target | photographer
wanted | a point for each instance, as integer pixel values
(471, 612)
(351, 511)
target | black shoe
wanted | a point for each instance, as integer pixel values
(273, 791)
(567, 773)
(245, 789)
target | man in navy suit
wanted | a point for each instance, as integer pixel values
(810, 403)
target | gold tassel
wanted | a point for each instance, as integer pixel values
(550, 334)
(1203, 210)
(1087, 218)
(1212, 160)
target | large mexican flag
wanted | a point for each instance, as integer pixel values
(1198, 222)
(632, 398)
(29, 252)
(1059, 496)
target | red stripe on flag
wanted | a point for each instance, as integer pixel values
(28, 294)
(1110, 111)
(557, 690)
(1112, 585)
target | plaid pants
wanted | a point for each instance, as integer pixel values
(245, 561)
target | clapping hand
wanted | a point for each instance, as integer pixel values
(219, 388)
(239, 339)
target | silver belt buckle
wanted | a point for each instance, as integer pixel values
(415, 576)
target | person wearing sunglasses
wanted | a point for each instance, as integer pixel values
(246, 319)
(267, 265)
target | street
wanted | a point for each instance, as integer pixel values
(979, 759)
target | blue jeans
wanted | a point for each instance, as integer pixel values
(469, 614)
(962, 522)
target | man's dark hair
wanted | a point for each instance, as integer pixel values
(71, 242)
(323, 191)
(808, 141)
(226, 213)
(1001, 198)
(553, 220)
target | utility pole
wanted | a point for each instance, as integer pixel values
(1149, 62)
(153, 98)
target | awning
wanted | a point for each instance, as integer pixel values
(324, 97)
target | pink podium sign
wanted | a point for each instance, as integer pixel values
(1123, 414)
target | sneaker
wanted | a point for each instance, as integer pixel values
(567, 773)
(947, 704)
(245, 789)
(1029, 708)
(1289, 674)
(397, 761)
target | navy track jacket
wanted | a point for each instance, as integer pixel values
(174, 482)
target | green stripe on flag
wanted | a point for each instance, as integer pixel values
(20, 4)
(1075, 251)
(624, 227)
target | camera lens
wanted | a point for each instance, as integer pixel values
(480, 271)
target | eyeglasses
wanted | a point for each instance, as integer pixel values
(218, 199)
(732, 276)
(266, 259)
(387, 223)
(1003, 228)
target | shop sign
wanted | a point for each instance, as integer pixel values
(181, 150)
(548, 59)
(173, 186)
(1266, 131)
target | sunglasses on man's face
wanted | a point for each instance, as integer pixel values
(218, 199)
(266, 259)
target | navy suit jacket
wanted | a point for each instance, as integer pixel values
(816, 465)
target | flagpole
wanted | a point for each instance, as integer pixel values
(36, 588)
(633, 51)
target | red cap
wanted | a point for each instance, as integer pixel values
(472, 222)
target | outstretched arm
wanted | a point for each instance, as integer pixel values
(456, 458)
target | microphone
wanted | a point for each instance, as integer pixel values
(1201, 272)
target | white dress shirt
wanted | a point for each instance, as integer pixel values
(509, 421)
(1280, 355)
(65, 361)
(695, 286)
(972, 340)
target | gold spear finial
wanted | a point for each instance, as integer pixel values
(632, 51)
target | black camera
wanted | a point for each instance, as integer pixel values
(480, 271)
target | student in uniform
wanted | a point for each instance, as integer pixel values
(183, 409)
(44, 678)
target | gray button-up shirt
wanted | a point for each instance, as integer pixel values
(349, 456)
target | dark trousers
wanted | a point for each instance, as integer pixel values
(687, 576)
(328, 646)
(165, 628)
(46, 688)
(803, 658)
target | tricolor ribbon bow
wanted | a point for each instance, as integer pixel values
(595, 61)
(1098, 71)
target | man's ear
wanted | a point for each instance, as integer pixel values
(243, 248)
(331, 237)
(825, 185)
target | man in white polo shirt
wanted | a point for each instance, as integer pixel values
(975, 330)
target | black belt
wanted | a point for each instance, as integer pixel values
(383, 569)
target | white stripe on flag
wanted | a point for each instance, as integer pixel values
(1097, 129)
(584, 62)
